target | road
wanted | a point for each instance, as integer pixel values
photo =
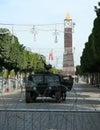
(81, 97)
(80, 111)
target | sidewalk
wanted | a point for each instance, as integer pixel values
(11, 91)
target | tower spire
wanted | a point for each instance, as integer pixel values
(68, 16)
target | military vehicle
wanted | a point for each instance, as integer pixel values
(45, 84)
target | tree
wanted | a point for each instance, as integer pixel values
(14, 56)
(96, 33)
(78, 70)
(97, 10)
(10, 51)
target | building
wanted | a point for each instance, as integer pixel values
(68, 60)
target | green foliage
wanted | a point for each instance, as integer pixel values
(55, 71)
(13, 55)
(90, 59)
(96, 32)
(78, 70)
(5, 73)
(12, 74)
(97, 10)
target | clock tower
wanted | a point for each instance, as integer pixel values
(68, 61)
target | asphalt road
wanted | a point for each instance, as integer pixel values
(81, 97)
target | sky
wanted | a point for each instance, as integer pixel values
(34, 23)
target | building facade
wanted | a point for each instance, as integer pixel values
(68, 60)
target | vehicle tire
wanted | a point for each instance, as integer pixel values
(34, 99)
(63, 96)
(33, 96)
(28, 97)
(58, 96)
(70, 87)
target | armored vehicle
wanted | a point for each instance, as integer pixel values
(45, 85)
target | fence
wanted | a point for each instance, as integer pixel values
(49, 119)
(8, 85)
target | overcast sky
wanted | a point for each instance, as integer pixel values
(44, 12)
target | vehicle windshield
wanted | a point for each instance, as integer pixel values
(44, 78)
(37, 78)
(52, 78)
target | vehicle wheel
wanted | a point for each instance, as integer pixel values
(34, 98)
(33, 95)
(58, 96)
(28, 97)
(64, 96)
(69, 87)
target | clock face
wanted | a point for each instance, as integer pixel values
(68, 24)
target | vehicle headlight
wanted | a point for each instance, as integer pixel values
(50, 88)
(34, 88)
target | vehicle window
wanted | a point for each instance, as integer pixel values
(51, 78)
(37, 78)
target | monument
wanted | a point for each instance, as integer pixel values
(68, 60)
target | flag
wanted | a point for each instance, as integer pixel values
(51, 56)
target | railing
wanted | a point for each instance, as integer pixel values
(49, 119)
(11, 84)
